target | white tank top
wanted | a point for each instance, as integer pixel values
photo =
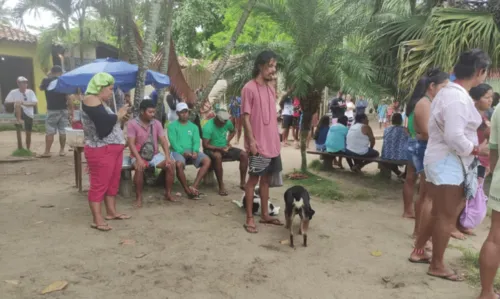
(356, 141)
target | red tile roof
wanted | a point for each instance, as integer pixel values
(16, 35)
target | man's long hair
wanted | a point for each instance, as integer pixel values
(263, 58)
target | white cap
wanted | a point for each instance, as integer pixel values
(223, 115)
(22, 79)
(147, 97)
(181, 106)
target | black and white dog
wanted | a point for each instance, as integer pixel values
(273, 210)
(297, 201)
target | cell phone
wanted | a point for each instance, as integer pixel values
(481, 171)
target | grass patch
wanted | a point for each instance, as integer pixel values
(316, 165)
(22, 153)
(319, 187)
(470, 261)
(37, 128)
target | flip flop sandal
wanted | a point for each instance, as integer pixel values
(102, 228)
(273, 221)
(194, 197)
(118, 217)
(44, 156)
(62, 154)
(251, 229)
(420, 261)
(223, 193)
(451, 277)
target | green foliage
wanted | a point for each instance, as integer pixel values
(5, 13)
(22, 153)
(319, 187)
(470, 260)
(259, 29)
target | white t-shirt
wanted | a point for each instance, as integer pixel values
(350, 110)
(29, 97)
(287, 107)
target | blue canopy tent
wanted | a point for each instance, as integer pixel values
(124, 73)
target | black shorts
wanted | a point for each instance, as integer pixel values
(287, 121)
(28, 122)
(233, 154)
(259, 166)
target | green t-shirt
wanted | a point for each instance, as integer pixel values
(411, 125)
(183, 137)
(217, 135)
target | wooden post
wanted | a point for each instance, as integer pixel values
(19, 136)
(327, 162)
(385, 170)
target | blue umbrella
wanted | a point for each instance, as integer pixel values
(124, 73)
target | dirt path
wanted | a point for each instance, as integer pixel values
(199, 249)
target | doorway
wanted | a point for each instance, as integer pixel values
(11, 67)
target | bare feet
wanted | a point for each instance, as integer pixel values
(138, 203)
(458, 235)
(171, 198)
(409, 215)
(467, 231)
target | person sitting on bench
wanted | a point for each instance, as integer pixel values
(144, 133)
(335, 141)
(360, 142)
(395, 141)
(184, 137)
(217, 145)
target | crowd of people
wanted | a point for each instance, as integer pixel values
(450, 143)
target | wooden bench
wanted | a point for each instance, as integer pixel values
(383, 165)
(126, 182)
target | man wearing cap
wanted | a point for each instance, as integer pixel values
(24, 101)
(217, 145)
(184, 137)
(59, 112)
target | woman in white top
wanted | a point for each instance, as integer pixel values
(451, 148)
(360, 142)
(349, 112)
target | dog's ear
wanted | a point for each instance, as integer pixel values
(311, 213)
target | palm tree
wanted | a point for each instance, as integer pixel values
(166, 54)
(327, 50)
(436, 35)
(147, 51)
(228, 49)
(5, 13)
(64, 11)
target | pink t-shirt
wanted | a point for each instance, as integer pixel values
(137, 130)
(259, 101)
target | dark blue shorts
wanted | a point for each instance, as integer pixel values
(416, 153)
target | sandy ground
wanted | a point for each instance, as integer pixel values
(199, 249)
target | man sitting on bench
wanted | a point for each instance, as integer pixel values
(184, 139)
(144, 133)
(217, 145)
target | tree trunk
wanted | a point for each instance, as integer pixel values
(147, 49)
(378, 6)
(310, 105)
(226, 54)
(413, 7)
(166, 54)
(81, 23)
(132, 48)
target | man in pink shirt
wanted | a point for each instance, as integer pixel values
(262, 142)
(143, 134)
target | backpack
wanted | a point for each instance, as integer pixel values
(475, 209)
